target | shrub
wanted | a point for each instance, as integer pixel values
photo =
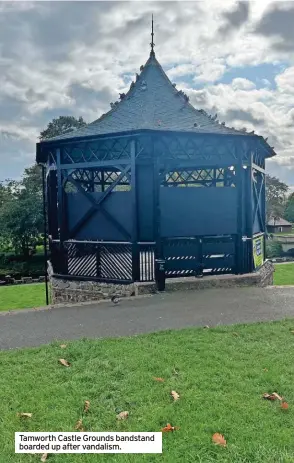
(273, 249)
(16, 266)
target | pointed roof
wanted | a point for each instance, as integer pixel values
(153, 103)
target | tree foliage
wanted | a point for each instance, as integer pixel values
(276, 194)
(21, 218)
(21, 202)
(289, 209)
(62, 125)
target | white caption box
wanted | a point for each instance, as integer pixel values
(88, 442)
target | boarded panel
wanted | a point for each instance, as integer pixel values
(118, 204)
(145, 202)
(198, 211)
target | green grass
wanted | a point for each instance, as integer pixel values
(221, 376)
(284, 275)
(22, 296)
(33, 295)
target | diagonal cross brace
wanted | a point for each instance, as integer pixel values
(97, 205)
(257, 196)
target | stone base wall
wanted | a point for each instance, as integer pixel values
(66, 291)
(74, 291)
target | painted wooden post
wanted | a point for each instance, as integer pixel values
(159, 260)
(135, 246)
(60, 215)
(240, 228)
(249, 215)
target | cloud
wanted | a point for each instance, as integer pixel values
(277, 24)
(74, 58)
(235, 18)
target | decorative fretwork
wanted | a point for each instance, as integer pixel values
(217, 177)
(94, 180)
(200, 147)
(113, 149)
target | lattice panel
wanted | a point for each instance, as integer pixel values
(99, 180)
(116, 262)
(109, 261)
(107, 149)
(80, 262)
(195, 147)
(201, 177)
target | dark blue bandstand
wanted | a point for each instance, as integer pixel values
(153, 178)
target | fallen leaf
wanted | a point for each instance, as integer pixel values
(206, 326)
(44, 457)
(160, 380)
(25, 415)
(86, 406)
(169, 427)
(63, 346)
(64, 362)
(277, 396)
(292, 331)
(284, 405)
(219, 439)
(236, 334)
(272, 396)
(175, 372)
(175, 395)
(122, 415)
(265, 369)
(79, 426)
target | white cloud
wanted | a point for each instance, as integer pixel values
(73, 59)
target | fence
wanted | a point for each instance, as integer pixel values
(114, 261)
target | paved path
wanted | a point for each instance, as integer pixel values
(143, 315)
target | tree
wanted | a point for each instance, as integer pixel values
(289, 209)
(276, 192)
(61, 125)
(21, 202)
(21, 222)
(21, 214)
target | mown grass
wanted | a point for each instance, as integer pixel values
(220, 374)
(284, 275)
(33, 295)
(22, 296)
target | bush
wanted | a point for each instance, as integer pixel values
(273, 249)
(16, 266)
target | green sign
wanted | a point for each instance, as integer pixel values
(258, 251)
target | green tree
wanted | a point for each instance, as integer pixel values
(289, 209)
(21, 215)
(276, 194)
(62, 125)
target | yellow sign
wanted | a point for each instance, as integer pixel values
(258, 251)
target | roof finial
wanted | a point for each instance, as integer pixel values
(152, 42)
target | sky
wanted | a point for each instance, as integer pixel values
(232, 58)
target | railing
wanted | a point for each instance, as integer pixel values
(122, 262)
(108, 261)
(91, 260)
(146, 261)
(192, 256)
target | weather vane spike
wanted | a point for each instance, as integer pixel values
(152, 42)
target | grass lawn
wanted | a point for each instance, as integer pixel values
(22, 296)
(284, 275)
(220, 374)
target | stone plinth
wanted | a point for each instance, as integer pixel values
(74, 291)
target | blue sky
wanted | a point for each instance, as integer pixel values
(233, 58)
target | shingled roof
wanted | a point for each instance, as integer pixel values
(153, 103)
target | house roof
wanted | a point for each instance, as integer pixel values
(278, 223)
(154, 103)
